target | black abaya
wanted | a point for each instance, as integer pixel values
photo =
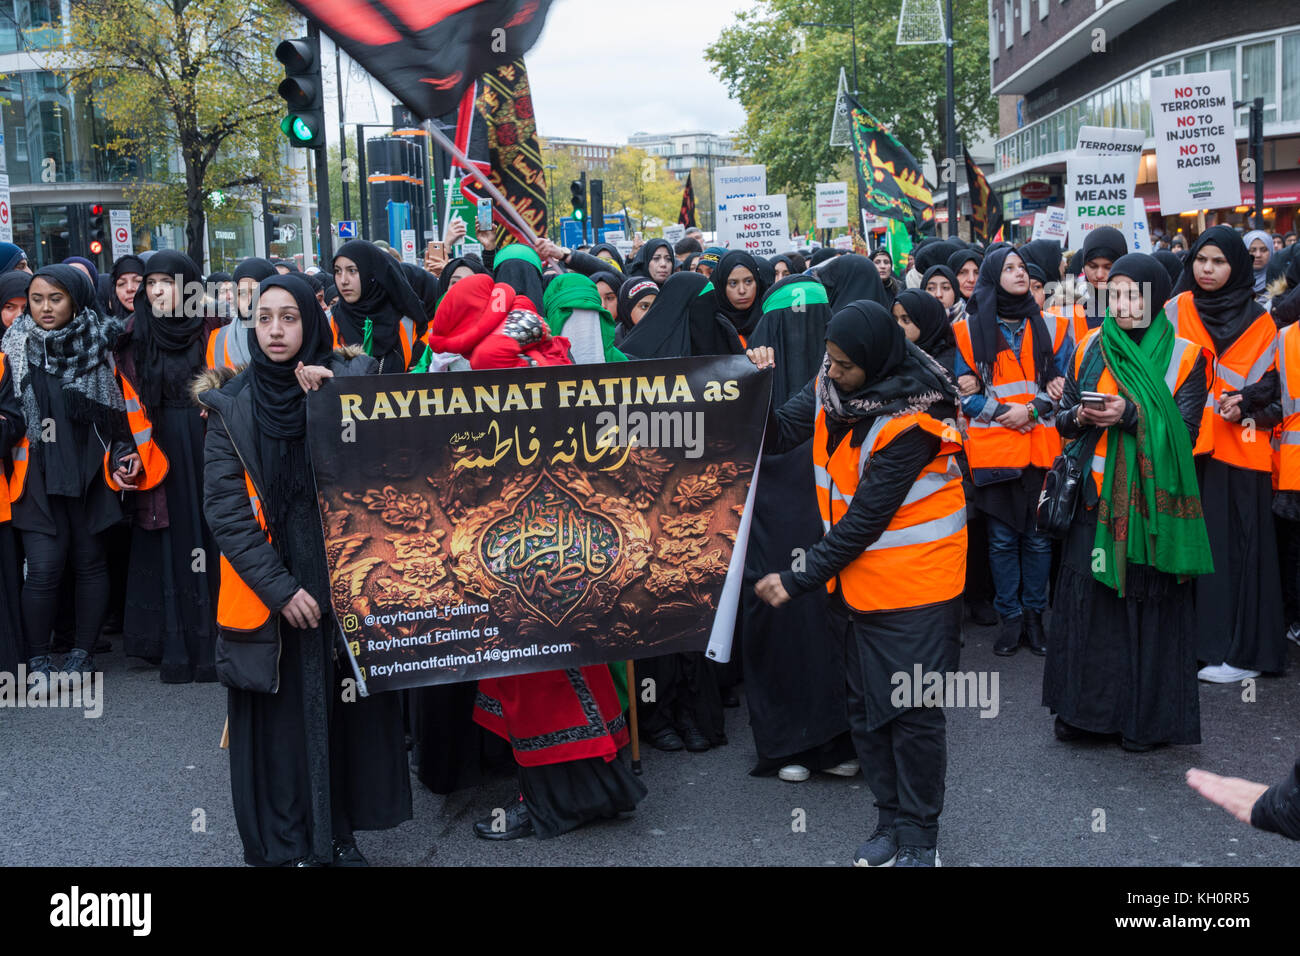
(1239, 617)
(563, 796)
(1122, 665)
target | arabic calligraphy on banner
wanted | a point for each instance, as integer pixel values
(501, 522)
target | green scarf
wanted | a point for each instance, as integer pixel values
(572, 290)
(1150, 506)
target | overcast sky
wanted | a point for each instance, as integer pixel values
(604, 69)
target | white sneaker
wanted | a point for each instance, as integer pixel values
(794, 773)
(849, 768)
(1293, 633)
(1224, 673)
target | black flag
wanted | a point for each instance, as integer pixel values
(985, 207)
(428, 52)
(890, 183)
(687, 216)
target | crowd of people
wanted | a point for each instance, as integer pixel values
(920, 412)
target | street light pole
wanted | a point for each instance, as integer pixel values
(951, 122)
(550, 214)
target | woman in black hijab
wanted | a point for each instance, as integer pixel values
(1239, 606)
(681, 318)
(377, 308)
(925, 323)
(306, 767)
(170, 600)
(458, 269)
(657, 261)
(1004, 342)
(13, 297)
(871, 377)
(782, 677)
(127, 275)
(939, 282)
(852, 278)
(885, 266)
(965, 265)
(738, 287)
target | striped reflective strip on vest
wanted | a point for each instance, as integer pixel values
(1255, 373)
(1290, 406)
(143, 436)
(925, 485)
(924, 533)
(1015, 388)
(132, 405)
(20, 453)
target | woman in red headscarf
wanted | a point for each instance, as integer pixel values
(565, 726)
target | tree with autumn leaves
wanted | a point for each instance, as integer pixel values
(198, 78)
(634, 181)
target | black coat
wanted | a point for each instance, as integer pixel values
(248, 661)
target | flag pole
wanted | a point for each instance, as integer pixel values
(632, 720)
(502, 202)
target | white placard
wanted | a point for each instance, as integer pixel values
(675, 233)
(624, 247)
(1101, 191)
(735, 182)
(408, 245)
(759, 225)
(471, 249)
(1105, 141)
(6, 211)
(842, 242)
(1050, 224)
(614, 236)
(832, 205)
(1196, 142)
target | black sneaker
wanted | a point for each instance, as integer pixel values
(918, 856)
(78, 662)
(881, 849)
(517, 824)
(347, 854)
(40, 664)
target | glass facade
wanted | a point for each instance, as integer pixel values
(1269, 68)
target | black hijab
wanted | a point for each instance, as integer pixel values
(1042, 258)
(631, 292)
(821, 255)
(990, 303)
(254, 268)
(1150, 273)
(870, 337)
(522, 272)
(386, 298)
(163, 341)
(931, 318)
(72, 281)
(472, 263)
(280, 404)
(941, 270)
(425, 285)
(665, 331)
(797, 262)
(1173, 265)
(614, 254)
(959, 259)
(936, 253)
(1227, 311)
(1106, 242)
(127, 265)
(852, 277)
(641, 264)
(743, 320)
(13, 285)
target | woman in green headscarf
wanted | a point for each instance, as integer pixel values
(1121, 649)
(572, 308)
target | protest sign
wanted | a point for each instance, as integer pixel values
(675, 233)
(1196, 143)
(504, 522)
(758, 225)
(735, 182)
(1050, 224)
(832, 205)
(1100, 191)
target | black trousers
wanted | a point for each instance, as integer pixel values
(48, 556)
(905, 760)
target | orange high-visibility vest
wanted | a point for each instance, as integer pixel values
(238, 607)
(218, 354)
(405, 332)
(1181, 361)
(1288, 433)
(5, 514)
(153, 461)
(990, 445)
(920, 558)
(1245, 362)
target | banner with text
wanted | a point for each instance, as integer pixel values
(1196, 142)
(1101, 191)
(832, 205)
(759, 225)
(735, 182)
(503, 522)
(1123, 145)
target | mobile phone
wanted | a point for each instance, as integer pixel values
(1096, 400)
(638, 234)
(435, 249)
(484, 214)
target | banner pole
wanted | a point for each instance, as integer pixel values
(502, 202)
(632, 719)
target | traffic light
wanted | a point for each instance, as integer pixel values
(98, 232)
(578, 196)
(273, 227)
(302, 91)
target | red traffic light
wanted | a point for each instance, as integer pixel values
(97, 210)
(96, 247)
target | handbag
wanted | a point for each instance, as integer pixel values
(1060, 495)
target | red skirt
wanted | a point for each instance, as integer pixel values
(554, 716)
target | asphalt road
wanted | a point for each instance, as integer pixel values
(147, 784)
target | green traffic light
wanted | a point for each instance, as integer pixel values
(578, 214)
(297, 128)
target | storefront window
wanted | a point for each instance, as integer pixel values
(1259, 78)
(1291, 77)
(1225, 58)
(1195, 63)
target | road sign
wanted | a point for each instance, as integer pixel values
(119, 222)
(347, 228)
(6, 218)
(288, 232)
(408, 245)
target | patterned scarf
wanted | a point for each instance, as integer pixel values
(916, 384)
(79, 356)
